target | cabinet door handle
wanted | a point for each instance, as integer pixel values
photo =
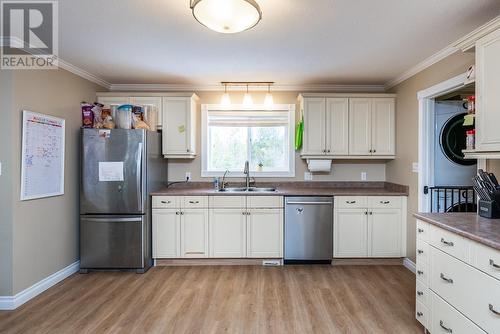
(494, 265)
(374, 151)
(447, 243)
(444, 278)
(420, 251)
(328, 151)
(371, 213)
(420, 272)
(350, 202)
(420, 293)
(420, 230)
(194, 202)
(492, 309)
(385, 202)
(441, 323)
(165, 202)
(419, 314)
(188, 150)
(366, 213)
(371, 151)
(177, 212)
(182, 213)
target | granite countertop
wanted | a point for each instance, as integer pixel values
(469, 225)
(292, 188)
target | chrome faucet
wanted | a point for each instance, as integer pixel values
(223, 183)
(246, 171)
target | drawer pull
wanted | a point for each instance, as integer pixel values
(385, 202)
(420, 293)
(447, 243)
(420, 272)
(419, 314)
(420, 251)
(194, 202)
(444, 278)
(441, 323)
(194, 253)
(165, 202)
(494, 265)
(350, 202)
(492, 309)
(420, 230)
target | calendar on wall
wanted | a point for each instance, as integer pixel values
(42, 166)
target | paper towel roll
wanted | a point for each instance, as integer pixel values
(319, 165)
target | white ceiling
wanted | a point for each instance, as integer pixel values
(297, 42)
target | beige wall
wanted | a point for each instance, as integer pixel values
(400, 170)
(45, 231)
(5, 183)
(341, 171)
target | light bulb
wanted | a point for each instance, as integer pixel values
(269, 101)
(247, 100)
(225, 100)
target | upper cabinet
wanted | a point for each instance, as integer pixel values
(150, 102)
(351, 127)
(179, 127)
(487, 97)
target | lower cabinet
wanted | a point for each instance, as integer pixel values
(194, 233)
(265, 233)
(166, 233)
(350, 233)
(384, 227)
(227, 233)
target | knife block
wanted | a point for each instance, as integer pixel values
(489, 209)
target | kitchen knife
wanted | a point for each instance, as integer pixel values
(493, 179)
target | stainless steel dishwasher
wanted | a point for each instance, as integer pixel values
(308, 229)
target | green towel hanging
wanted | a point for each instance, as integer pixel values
(299, 130)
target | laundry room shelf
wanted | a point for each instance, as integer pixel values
(473, 154)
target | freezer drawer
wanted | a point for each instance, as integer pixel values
(112, 242)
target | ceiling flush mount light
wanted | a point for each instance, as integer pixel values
(227, 16)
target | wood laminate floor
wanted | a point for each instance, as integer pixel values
(225, 299)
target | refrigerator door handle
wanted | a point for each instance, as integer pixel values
(139, 177)
(112, 220)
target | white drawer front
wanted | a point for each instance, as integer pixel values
(450, 243)
(423, 252)
(467, 289)
(385, 202)
(423, 231)
(422, 314)
(165, 202)
(227, 202)
(422, 294)
(346, 202)
(487, 259)
(194, 202)
(265, 201)
(445, 319)
(423, 272)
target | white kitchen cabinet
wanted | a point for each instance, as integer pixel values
(227, 233)
(153, 102)
(369, 226)
(314, 126)
(166, 233)
(265, 233)
(487, 88)
(384, 229)
(350, 233)
(372, 126)
(179, 127)
(194, 233)
(337, 126)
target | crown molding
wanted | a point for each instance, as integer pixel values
(84, 74)
(218, 87)
(465, 43)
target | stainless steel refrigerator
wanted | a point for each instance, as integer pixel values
(119, 169)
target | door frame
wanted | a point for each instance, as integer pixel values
(426, 134)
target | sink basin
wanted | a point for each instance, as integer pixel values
(251, 189)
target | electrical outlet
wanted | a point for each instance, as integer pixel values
(363, 176)
(415, 168)
(308, 176)
(188, 176)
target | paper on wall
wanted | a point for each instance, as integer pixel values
(110, 171)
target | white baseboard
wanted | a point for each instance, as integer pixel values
(13, 302)
(409, 264)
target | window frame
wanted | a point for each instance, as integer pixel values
(289, 108)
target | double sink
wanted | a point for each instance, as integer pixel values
(247, 189)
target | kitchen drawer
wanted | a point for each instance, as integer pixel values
(423, 231)
(422, 314)
(228, 201)
(423, 272)
(469, 290)
(450, 243)
(486, 259)
(194, 202)
(423, 251)
(165, 202)
(348, 202)
(384, 202)
(265, 201)
(422, 294)
(445, 319)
